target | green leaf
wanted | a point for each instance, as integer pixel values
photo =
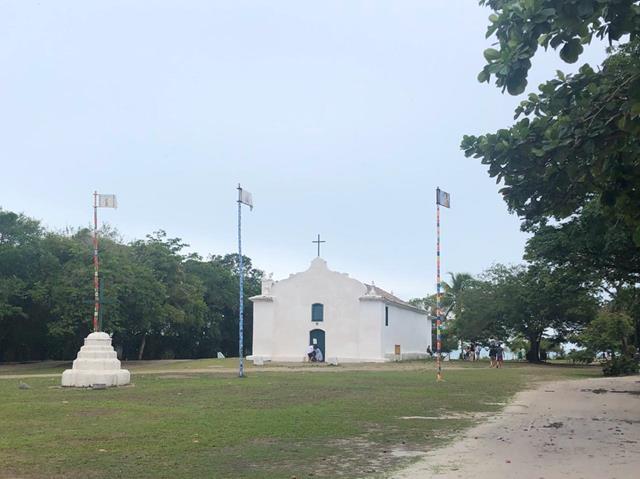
(543, 39)
(623, 123)
(555, 41)
(516, 85)
(571, 51)
(483, 76)
(491, 54)
(634, 90)
(636, 236)
(585, 8)
(547, 12)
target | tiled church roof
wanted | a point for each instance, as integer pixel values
(392, 298)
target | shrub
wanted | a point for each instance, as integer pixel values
(583, 356)
(618, 366)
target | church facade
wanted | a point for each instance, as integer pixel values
(348, 320)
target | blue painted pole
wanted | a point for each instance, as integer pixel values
(438, 298)
(438, 292)
(241, 274)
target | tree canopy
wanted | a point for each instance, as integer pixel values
(530, 301)
(578, 139)
(522, 26)
(570, 164)
(159, 302)
(608, 332)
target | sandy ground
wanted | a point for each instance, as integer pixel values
(571, 429)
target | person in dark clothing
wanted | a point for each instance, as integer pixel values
(493, 352)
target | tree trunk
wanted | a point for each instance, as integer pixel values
(533, 355)
(144, 341)
(625, 346)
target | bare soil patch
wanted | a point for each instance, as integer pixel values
(569, 429)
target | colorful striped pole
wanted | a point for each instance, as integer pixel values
(96, 280)
(438, 293)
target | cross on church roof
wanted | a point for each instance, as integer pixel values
(318, 241)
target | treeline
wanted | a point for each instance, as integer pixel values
(158, 301)
(537, 308)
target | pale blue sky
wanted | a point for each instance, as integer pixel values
(341, 117)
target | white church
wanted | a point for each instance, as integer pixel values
(348, 320)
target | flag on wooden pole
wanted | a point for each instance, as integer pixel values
(99, 201)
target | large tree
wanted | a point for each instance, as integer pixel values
(600, 250)
(530, 301)
(579, 138)
(608, 332)
(23, 263)
(182, 308)
(478, 317)
(220, 279)
(592, 244)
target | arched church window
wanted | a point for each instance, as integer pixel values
(317, 312)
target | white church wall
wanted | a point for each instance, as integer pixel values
(292, 300)
(263, 329)
(407, 328)
(370, 330)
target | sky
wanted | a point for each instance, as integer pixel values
(340, 117)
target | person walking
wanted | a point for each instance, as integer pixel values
(493, 351)
(499, 356)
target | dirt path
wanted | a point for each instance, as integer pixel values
(572, 429)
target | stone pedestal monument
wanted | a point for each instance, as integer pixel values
(96, 365)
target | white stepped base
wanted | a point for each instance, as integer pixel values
(85, 379)
(97, 363)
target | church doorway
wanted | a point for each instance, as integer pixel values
(316, 337)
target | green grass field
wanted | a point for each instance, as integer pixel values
(322, 422)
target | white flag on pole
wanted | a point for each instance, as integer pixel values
(246, 198)
(107, 201)
(443, 198)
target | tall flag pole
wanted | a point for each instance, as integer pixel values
(96, 281)
(99, 201)
(244, 197)
(442, 198)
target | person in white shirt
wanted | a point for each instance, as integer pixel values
(311, 354)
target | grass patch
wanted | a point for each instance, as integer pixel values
(347, 423)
